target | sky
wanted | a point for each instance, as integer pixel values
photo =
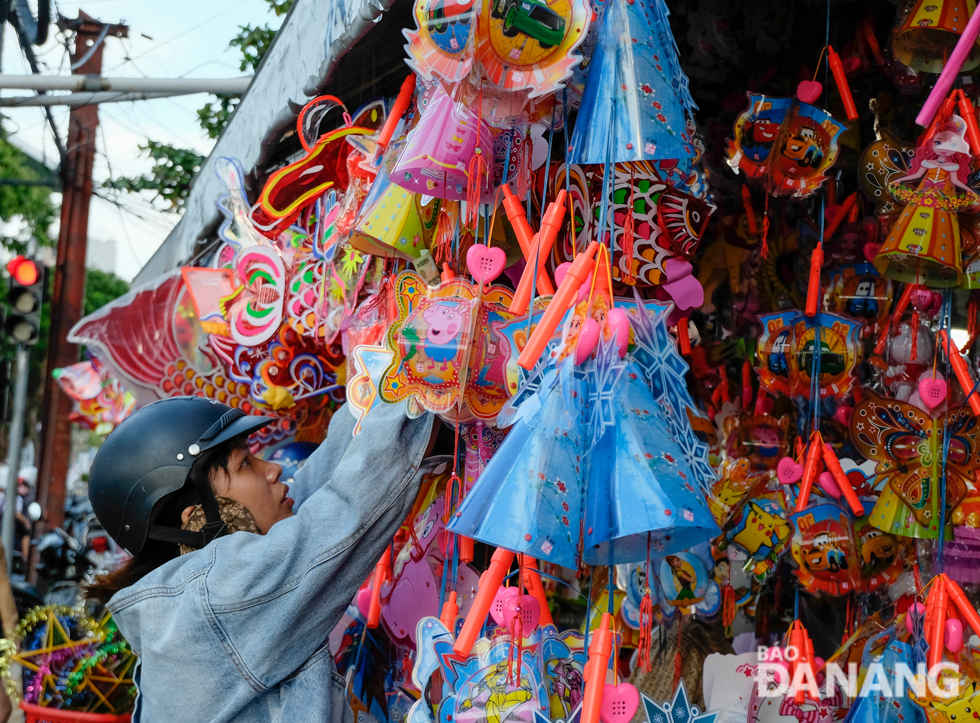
(180, 38)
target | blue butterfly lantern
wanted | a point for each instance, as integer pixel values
(636, 95)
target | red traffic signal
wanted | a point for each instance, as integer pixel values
(23, 270)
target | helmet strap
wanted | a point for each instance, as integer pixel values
(215, 526)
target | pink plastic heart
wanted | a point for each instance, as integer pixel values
(619, 703)
(588, 337)
(530, 612)
(497, 606)
(829, 485)
(789, 471)
(485, 263)
(809, 91)
(364, 601)
(843, 415)
(932, 391)
(871, 252)
(922, 299)
(619, 323)
(954, 635)
(561, 271)
(920, 610)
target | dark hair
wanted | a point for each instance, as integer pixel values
(166, 512)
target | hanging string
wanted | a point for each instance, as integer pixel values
(646, 619)
(764, 251)
(568, 177)
(947, 324)
(478, 166)
(627, 235)
(678, 658)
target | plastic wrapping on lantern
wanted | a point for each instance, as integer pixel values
(875, 707)
(636, 104)
(907, 445)
(824, 549)
(436, 160)
(640, 488)
(531, 46)
(441, 46)
(528, 499)
(393, 220)
(447, 349)
(761, 528)
(786, 143)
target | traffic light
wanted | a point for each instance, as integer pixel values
(23, 323)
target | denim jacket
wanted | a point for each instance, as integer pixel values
(238, 631)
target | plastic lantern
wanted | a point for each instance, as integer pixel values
(436, 160)
(930, 31)
(924, 245)
(441, 46)
(786, 143)
(824, 550)
(394, 221)
(636, 104)
(907, 445)
(641, 491)
(528, 499)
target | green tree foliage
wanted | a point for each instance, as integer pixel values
(171, 175)
(174, 168)
(27, 209)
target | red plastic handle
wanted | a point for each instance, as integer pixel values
(489, 584)
(397, 111)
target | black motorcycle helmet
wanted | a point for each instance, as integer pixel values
(143, 465)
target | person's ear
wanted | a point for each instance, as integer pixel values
(186, 515)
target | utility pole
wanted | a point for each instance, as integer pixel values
(68, 296)
(16, 441)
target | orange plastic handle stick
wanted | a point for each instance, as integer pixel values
(936, 630)
(969, 114)
(382, 571)
(532, 581)
(525, 237)
(577, 274)
(840, 477)
(600, 650)
(684, 335)
(749, 211)
(813, 289)
(839, 217)
(465, 549)
(810, 471)
(961, 370)
(840, 78)
(449, 612)
(869, 36)
(541, 248)
(963, 605)
(397, 111)
(490, 582)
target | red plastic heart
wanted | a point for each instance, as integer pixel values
(843, 415)
(829, 485)
(619, 703)
(922, 299)
(851, 64)
(530, 612)
(932, 392)
(809, 91)
(871, 252)
(789, 471)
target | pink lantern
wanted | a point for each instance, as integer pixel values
(438, 153)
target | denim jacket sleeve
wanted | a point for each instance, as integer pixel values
(327, 456)
(272, 600)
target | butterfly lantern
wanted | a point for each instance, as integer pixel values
(786, 143)
(907, 445)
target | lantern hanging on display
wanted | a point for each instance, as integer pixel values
(930, 31)
(637, 105)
